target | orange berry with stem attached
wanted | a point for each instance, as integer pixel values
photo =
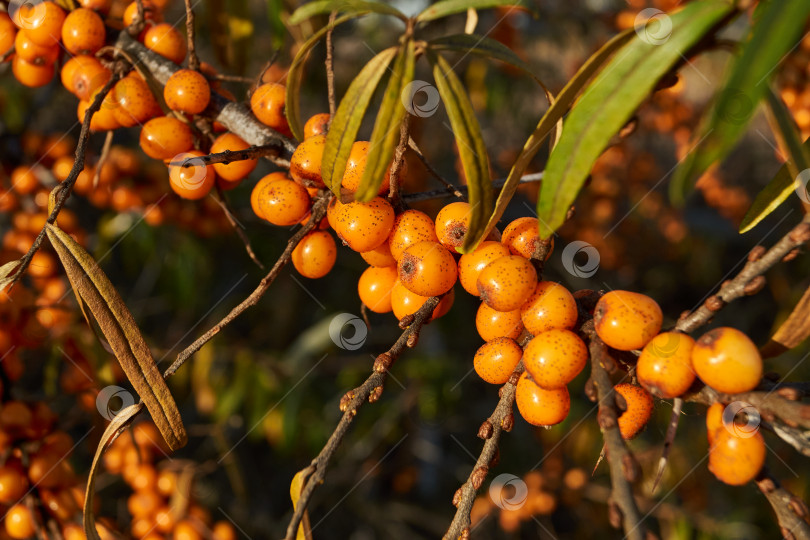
(375, 286)
(492, 324)
(639, 410)
(187, 91)
(83, 31)
(555, 357)
(550, 306)
(427, 269)
(736, 460)
(410, 227)
(283, 202)
(365, 226)
(470, 265)
(664, 367)
(165, 137)
(7, 33)
(315, 254)
(405, 302)
(522, 238)
(305, 163)
(261, 185)
(236, 170)
(627, 320)
(31, 75)
(193, 182)
(41, 20)
(452, 223)
(134, 102)
(506, 283)
(541, 407)
(380, 256)
(495, 360)
(31, 52)
(165, 40)
(356, 167)
(727, 360)
(19, 521)
(317, 124)
(151, 13)
(267, 103)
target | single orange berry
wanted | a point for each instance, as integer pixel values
(317, 124)
(236, 170)
(410, 227)
(541, 407)
(83, 32)
(627, 320)
(639, 410)
(187, 530)
(134, 102)
(492, 324)
(315, 254)
(305, 163)
(31, 52)
(374, 288)
(427, 269)
(550, 306)
(31, 75)
(267, 103)
(223, 530)
(144, 503)
(19, 521)
(7, 33)
(452, 223)
(41, 20)
(24, 180)
(165, 137)
(665, 365)
(104, 118)
(522, 238)
(165, 40)
(471, 264)
(13, 484)
(356, 167)
(283, 202)
(555, 357)
(193, 182)
(405, 302)
(736, 460)
(714, 420)
(727, 360)
(261, 185)
(82, 75)
(497, 359)
(506, 283)
(151, 13)
(187, 91)
(365, 226)
(102, 6)
(380, 256)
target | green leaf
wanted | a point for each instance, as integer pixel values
(481, 45)
(471, 148)
(385, 136)
(785, 181)
(610, 100)
(450, 7)
(277, 29)
(552, 116)
(346, 123)
(352, 7)
(772, 36)
(295, 74)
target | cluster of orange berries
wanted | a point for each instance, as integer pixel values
(155, 515)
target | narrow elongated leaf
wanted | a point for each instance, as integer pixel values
(119, 422)
(610, 100)
(385, 136)
(471, 148)
(451, 7)
(7, 273)
(793, 331)
(351, 7)
(551, 118)
(121, 331)
(297, 484)
(480, 45)
(292, 109)
(772, 36)
(349, 115)
(277, 28)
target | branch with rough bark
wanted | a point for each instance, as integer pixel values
(791, 512)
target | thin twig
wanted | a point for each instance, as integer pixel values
(229, 156)
(791, 512)
(330, 67)
(399, 153)
(459, 191)
(451, 189)
(236, 226)
(105, 154)
(193, 61)
(672, 430)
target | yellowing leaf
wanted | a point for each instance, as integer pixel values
(297, 484)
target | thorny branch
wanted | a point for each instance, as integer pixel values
(193, 60)
(399, 158)
(791, 512)
(330, 66)
(236, 226)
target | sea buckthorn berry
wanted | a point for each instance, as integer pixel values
(283, 202)
(427, 269)
(144, 503)
(640, 407)
(102, 6)
(31, 75)
(550, 306)
(33, 53)
(727, 360)
(356, 167)
(405, 302)
(223, 530)
(714, 420)
(410, 227)
(7, 33)
(522, 238)
(471, 264)
(19, 521)
(506, 283)
(236, 170)
(380, 256)
(332, 211)
(627, 320)
(305, 164)
(192, 182)
(554, 358)
(59, 503)
(13, 484)
(83, 32)
(736, 460)
(315, 254)
(492, 324)
(24, 180)
(317, 124)
(134, 102)
(164, 137)
(665, 365)
(104, 118)
(82, 75)
(452, 223)
(165, 40)
(497, 359)
(42, 21)
(541, 407)
(374, 288)
(255, 194)
(187, 530)
(150, 13)
(365, 226)
(187, 91)
(267, 104)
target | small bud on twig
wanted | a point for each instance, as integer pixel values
(478, 476)
(485, 431)
(754, 286)
(714, 303)
(590, 390)
(614, 515)
(375, 394)
(792, 254)
(508, 422)
(413, 339)
(790, 393)
(457, 497)
(606, 417)
(756, 253)
(406, 321)
(383, 362)
(630, 468)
